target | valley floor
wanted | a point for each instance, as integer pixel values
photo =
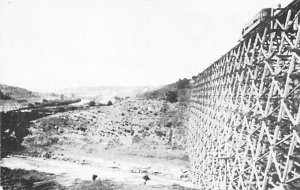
(120, 144)
(72, 175)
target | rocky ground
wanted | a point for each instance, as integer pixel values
(131, 138)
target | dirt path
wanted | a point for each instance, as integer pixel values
(69, 173)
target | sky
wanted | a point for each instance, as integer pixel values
(47, 45)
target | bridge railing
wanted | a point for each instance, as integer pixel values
(244, 123)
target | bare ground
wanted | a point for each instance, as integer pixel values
(120, 144)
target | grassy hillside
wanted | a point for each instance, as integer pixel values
(176, 97)
(12, 97)
(175, 92)
(136, 135)
(16, 92)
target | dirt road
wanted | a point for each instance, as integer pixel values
(69, 173)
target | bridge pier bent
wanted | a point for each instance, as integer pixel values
(244, 124)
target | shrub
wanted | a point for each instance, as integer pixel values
(61, 109)
(109, 103)
(37, 103)
(22, 101)
(136, 139)
(172, 96)
(184, 83)
(92, 103)
(160, 133)
(30, 105)
(117, 98)
(4, 97)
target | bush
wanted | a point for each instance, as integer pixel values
(184, 83)
(136, 139)
(30, 105)
(37, 103)
(61, 109)
(4, 97)
(109, 103)
(172, 96)
(22, 101)
(92, 103)
(160, 133)
(117, 98)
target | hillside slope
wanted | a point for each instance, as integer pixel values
(135, 127)
(16, 92)
(105, 93)
(12, 97)
(134, 135)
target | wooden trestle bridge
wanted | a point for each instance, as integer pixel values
(244, 124)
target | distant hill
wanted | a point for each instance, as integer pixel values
(12, 98)
(105, 93)
(16, 92)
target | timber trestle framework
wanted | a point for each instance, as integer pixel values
(244, 123)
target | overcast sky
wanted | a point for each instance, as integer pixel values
(54, 44)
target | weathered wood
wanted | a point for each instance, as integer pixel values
(245, 109)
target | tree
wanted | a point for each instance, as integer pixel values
(184, 83)
(92, 103)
